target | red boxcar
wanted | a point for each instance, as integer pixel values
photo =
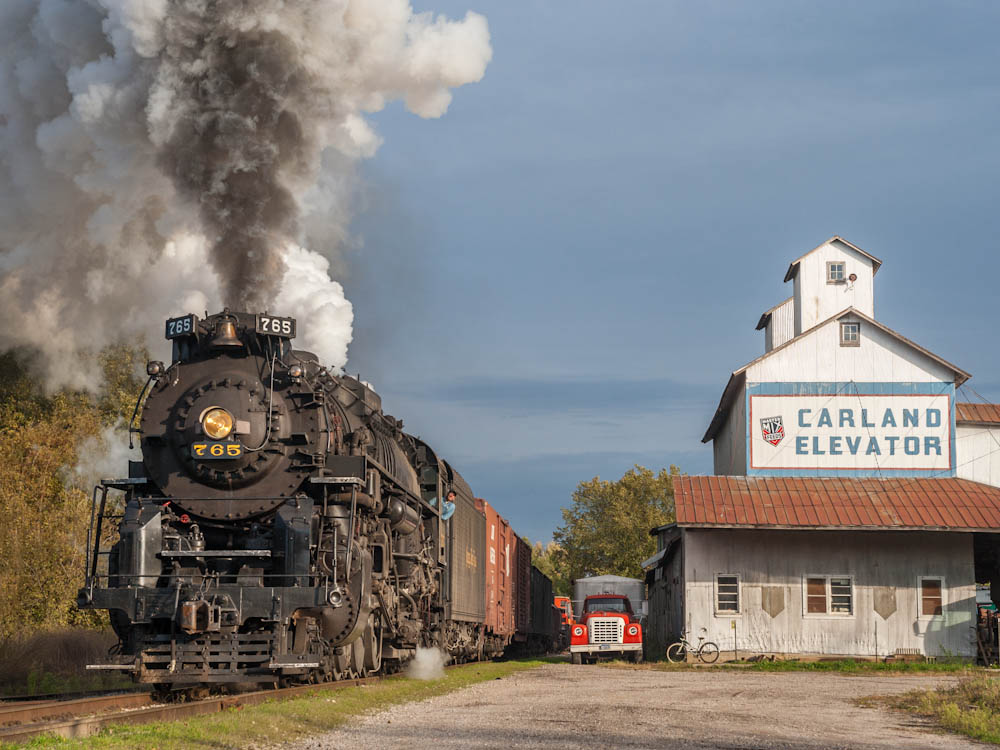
(499, 585)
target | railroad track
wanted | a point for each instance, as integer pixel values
(85, 716)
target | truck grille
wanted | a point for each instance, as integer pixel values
(606, 629)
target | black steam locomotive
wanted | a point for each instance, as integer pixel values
(280, 526)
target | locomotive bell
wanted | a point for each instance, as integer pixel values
(225, 335)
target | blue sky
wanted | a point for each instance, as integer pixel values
(557, 277)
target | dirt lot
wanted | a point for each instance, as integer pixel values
(561, 706)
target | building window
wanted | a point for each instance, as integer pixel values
(931, 596)
(829, 595)
(727, 594)
(850, 334)
(835, 273)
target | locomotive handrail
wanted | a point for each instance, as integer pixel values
(216, 553)
(96, 539)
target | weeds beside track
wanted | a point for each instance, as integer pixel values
(272, 716)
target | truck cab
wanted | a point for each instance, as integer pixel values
(608, 628)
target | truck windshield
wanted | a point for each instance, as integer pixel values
(605, 605)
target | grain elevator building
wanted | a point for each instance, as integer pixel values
(854, 500)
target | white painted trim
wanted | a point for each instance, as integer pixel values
(739, 596)
(828, 615)
(920, 599)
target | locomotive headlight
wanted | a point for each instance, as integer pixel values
(218, 423)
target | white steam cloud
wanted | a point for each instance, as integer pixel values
(159, 157)
(427, 664)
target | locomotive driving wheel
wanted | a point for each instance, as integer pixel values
(357, 655)
(373, 644)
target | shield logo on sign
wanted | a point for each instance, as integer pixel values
(773, 429)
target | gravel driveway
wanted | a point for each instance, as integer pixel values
(562, 706)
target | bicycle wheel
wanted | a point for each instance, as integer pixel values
(709, 652)
(676, 652)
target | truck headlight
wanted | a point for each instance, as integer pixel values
(633, 630)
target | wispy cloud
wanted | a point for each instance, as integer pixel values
(592, 396)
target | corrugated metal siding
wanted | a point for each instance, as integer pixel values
(782, 326)
(977, 456)
(521, 574)
(542, 611)
(912, 503)
(466, 561)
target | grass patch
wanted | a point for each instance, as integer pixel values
(971, 708)
(55, 662)
(843, 666)
(281, 721)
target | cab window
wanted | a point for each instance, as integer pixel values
(605, 605)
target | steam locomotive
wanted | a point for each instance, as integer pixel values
(282, 527)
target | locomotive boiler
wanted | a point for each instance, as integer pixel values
(280, 525)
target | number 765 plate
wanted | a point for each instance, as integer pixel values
(211, 451)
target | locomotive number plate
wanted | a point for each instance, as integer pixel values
(272, 326)
(186, 325)
(210, 451)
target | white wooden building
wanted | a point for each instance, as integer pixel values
(853, 503)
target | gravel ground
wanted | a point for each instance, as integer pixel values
(562, 706)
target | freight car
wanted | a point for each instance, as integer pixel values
(282, 527)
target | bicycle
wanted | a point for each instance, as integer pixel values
(707, 651)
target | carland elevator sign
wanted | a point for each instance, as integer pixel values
(854, 429)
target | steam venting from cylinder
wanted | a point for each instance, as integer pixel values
(167, 156)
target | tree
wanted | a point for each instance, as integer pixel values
(606, 530)
(547, 558)
(46, 515)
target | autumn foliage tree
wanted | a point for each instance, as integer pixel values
(606, 529)
(548, 559)
(45, 509)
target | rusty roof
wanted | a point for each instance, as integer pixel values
(944, 504)
(985, 414)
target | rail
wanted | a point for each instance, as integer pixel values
(89, 715)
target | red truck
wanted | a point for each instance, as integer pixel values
(607, 628)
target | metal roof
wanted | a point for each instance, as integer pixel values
(984, 414)
(946, 504)
(738, 376)
(793, 268)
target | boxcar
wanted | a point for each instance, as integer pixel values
(500, 538)
(543, 629)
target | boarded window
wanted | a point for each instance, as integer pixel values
(727, 593)
(841, 596)
(816, 596)
(930, 596)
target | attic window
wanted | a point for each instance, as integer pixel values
(835, 273)
(850, 334)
